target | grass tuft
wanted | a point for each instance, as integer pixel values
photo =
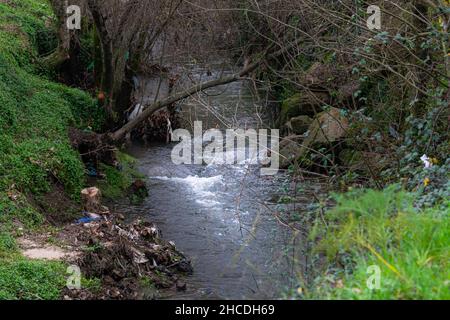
(383, 230)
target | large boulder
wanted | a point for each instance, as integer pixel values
(325, 75)
(347, 90)
(328, 126)
(337, 80)
(303, 104)
(319, 74)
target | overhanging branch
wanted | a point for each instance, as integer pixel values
(152, 108)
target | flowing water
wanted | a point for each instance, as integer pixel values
(221, 216)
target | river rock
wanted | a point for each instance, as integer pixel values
(304, 103)
(299, 125)
(289, 148)
(328, 127)
(332, 78)
(327, 75)
(321, 75)
(317, 74)
(347, 90)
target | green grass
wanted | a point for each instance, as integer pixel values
(31, 280)
(7, 242)
(383, 229)
(35, 114)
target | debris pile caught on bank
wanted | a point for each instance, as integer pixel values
(125, 257)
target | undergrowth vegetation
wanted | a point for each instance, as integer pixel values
(396, 123)
(383, 230)
(31, 280)
(118, 180)
(35, 152)
(379, 245)
(389, 91)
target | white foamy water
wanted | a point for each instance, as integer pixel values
(233, 157)
(207, 202)
(200, 186)
(217, 212)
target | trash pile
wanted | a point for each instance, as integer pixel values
(124, 256)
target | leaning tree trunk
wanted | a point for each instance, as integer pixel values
(62, 53)
(99, 147)
(151, 109)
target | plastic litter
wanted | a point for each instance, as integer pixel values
(86, 220)
(89, 217)
(91, 170)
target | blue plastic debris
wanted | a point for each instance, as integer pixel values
(88, 218)
(92, 172)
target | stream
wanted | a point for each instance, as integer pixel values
(220, 216)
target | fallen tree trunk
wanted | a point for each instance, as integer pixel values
(152, 108)
(149, 110)
(99, 147)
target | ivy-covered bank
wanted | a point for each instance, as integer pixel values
(386, 234)
(42, 175)
(37, 161)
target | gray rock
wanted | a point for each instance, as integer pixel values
(304, 103)
(289, 149)
(299, 125)
(328, 127)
